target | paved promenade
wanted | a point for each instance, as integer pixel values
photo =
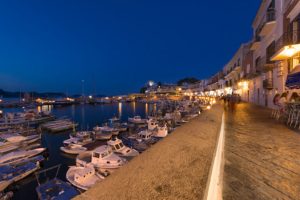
(175, 168)
(262, 156)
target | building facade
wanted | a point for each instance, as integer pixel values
(269, 63)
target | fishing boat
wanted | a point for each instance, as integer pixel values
(83, 177)
(116, 124)
(101, 157)
(13, 173)
(54, 189)
(161, 131)
(144, 135)
(152, 124)
(119, 148)
(81, 138)
(73, 149)
(137, 120)
(101, 134)
(111, 130)
(19, 156)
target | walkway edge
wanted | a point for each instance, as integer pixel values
(215, 180)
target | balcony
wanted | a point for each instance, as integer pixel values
(256, 43)
(269, 23)
(287, 45)
(264, 64)
(268, 84)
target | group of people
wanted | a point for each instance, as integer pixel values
(281, 99)
(231, 100)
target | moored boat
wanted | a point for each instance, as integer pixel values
(54, 188)
(73, 149)
(13, 173)
(137, 120)
(101, 157)
(101, 134)
(83, 177)
(119, 148)
(19, 156)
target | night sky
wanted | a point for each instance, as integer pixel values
(116, 46)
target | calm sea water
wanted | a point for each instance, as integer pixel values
(87, 116)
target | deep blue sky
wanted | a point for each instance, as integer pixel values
(117, 45)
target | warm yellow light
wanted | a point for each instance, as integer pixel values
(286, 52)
(208, 107)
(243, 85)
(289, 51)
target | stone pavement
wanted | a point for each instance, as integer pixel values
(262, 156)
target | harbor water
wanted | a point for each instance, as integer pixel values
(87, 116)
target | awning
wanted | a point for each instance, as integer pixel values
(293, 81)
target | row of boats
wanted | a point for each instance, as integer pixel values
(99, 152)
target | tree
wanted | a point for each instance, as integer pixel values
(143, 90)
(189, 80)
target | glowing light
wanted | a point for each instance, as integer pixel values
(90, 97)
(150, 83)
(243, 85)
(287, 52)
(208, 107)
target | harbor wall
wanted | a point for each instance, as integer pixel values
(177, 167)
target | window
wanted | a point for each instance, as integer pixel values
(270, 51)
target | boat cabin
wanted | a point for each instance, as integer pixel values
(145, 135)
(116, 144)
(81, 175)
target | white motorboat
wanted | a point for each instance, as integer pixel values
(73, 149)
(81, 137)
(137, 120)
(83, 177)
(144, 135)
(101, 157)
(119, 148)
(105, 131)
(19, 156)
(101, 135)
(152, 124)
(161, 131)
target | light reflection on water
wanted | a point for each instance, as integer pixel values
(120, 109)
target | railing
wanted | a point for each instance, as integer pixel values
(269, 17)
(263, 65)
(287, 38)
